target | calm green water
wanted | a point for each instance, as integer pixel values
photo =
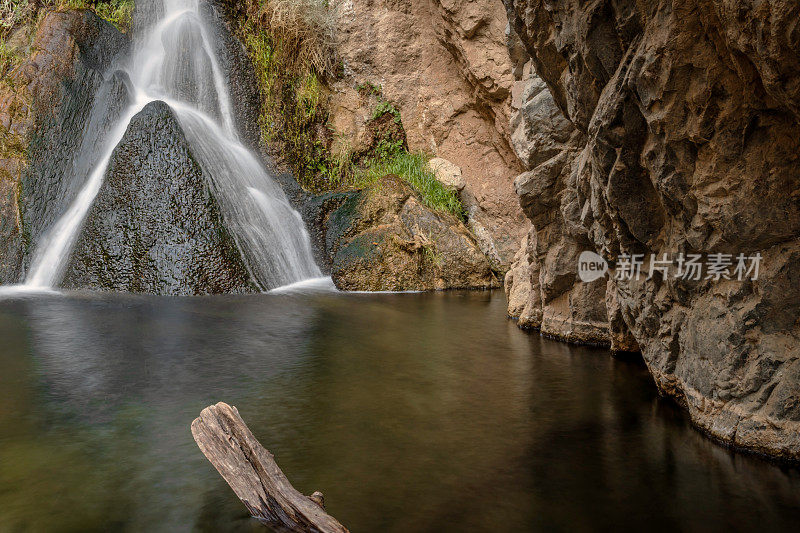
(411, 412)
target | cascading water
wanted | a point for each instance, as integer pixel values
(174, 61)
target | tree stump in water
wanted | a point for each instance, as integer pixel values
(254, 476)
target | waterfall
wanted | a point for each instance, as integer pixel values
(173, 60)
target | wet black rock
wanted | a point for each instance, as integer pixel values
(155, 226)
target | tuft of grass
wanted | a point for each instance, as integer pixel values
(9, 58)
(117, 12)
(391, 158)
(432, 255)
(303, 30)
(11, 13)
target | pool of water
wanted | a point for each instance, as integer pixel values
(411, 412)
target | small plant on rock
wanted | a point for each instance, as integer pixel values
(384, 107)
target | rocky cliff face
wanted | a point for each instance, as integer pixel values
(542, 287)
(45, 104)
(444, 65)
(683, 137)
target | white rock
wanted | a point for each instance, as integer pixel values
(447, 173)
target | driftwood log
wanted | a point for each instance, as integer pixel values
(254, 476)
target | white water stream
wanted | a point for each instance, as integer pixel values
(174, 61)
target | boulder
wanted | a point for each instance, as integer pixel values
(385, 238)
(155, 226)
(447, 173)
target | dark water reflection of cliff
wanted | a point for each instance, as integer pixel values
(414, 412)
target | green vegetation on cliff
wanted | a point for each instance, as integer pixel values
(392, 158)
(291, 44)
(292, 107)
(13, 16)
(16, 32)
(117, 12)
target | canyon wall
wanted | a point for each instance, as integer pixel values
(683, 137)
(444, 65)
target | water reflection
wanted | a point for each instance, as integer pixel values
(412, 412)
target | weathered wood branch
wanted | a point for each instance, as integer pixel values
(254, 476)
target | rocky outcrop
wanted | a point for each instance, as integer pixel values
(687, 141)
(384, 238)
(444, 66)
(543, 288)
(155, 226)
(45, 104)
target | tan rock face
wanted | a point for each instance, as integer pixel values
(689, 143)
(445, 66)
(545, 268)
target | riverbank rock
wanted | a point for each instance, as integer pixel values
(155, 226)
(687, 141)
(384, 238)
(45, 104)
(543, 287)
(444, 66)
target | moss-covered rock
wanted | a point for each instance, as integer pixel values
(384, 238)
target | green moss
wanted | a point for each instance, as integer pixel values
(9, 58)
(362, 247)
(117, 12)
(11, 146)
